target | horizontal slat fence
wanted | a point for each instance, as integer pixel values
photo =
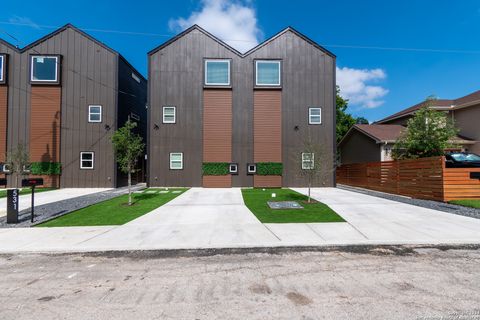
(425, 178)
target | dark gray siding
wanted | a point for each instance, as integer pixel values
(176, 78)
(358, 148)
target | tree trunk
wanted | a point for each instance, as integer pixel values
(309, 187)
(129, 187)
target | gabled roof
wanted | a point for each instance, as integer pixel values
(440, 104)
(235, 51)
(11, 46)
(61, 29)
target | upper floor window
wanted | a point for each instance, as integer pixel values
(315, 115)
(44, 69)
(94, 113)
(2, 68)
(135, 77)
(169, 114)
(217, 72)
(267, 73)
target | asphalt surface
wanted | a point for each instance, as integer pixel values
(372, 283)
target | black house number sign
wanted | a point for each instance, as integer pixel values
(12, 206)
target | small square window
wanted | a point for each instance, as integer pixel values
(233, 168)
(87, 160)
(176, 161)
(44, 69)
(308, 161)
(2, 68)
(94, 113)
(251, 168)
(267, 73)
(315, 115)
(217, 72)
(169, 114)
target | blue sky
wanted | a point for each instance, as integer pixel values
(378, 82)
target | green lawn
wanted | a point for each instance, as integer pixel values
(256, 201)
(115, 211)
(3, 193)
(467, 203)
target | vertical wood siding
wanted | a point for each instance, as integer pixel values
(217, 181)
(3, 121)
(45, 124)
(267, 126)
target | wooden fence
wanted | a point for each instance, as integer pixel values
(425, 178)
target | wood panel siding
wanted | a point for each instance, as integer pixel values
(267, 181)
(45, 123)
(3, 121)
(217, 126)
(458, 185)
(267, 126)
(217, 181)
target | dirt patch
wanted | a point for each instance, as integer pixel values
(299, 299)
(46, 298)
(260, 289)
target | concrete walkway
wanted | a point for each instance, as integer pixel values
(218, 218)
(47, 197)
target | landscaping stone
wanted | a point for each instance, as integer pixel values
(284, 205)
(56, 209)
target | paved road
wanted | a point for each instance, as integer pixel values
(377, 284)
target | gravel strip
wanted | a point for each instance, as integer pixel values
(56, 209)
(429, 204)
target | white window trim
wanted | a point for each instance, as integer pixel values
(250, 171)
(312, 160)
(135, 77)
(181, 160)
(174, 114)
(90, 113)
(93, 160)
(230, 168)
(279, 73)
(310, 115)
(134, 116)
(217, 60)
(2, 67)
(31, 68)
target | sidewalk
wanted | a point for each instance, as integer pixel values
(217, 218)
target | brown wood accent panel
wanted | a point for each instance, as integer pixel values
(457, 184)
(45, 124)
(267, 181)
(267, 126)
(217, 126)
(217, 181)
(3, 121)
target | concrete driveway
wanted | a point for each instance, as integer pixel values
(46, 197)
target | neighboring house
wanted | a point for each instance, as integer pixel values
(465, 111)
(64, 96)
(221, 118)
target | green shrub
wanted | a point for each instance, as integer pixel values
(269, 168)
(46, 168)
(215, 168)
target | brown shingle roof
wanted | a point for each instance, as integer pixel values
(381, 132)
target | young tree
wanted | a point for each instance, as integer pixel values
(344, 120)
(428, 134)
(17, 160)
(128, 148)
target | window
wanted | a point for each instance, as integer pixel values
(217, 72)
(308, 162)
(315, 115)
(169, 114)
(267, 73)
(44, 69)
(134, 116)
(86, 160)
(94, 113)
(251, 168)
(233, 168)
(135, 77)
(2, 68)
(176, 161)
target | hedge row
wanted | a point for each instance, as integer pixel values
(215, 168)
(269, 168)
(46, 168)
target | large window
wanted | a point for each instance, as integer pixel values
(176, 161)
(169, 114)
(94, 113)
(267, 73)
(308, 162)
(44, 69)
(315, 115)
(2, 68)
(87, 160)
(217, 72)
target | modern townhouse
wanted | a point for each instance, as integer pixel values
(63, 96)
(222, 118)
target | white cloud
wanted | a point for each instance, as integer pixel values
(354, 86)
(233, 21)
(24, 21)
